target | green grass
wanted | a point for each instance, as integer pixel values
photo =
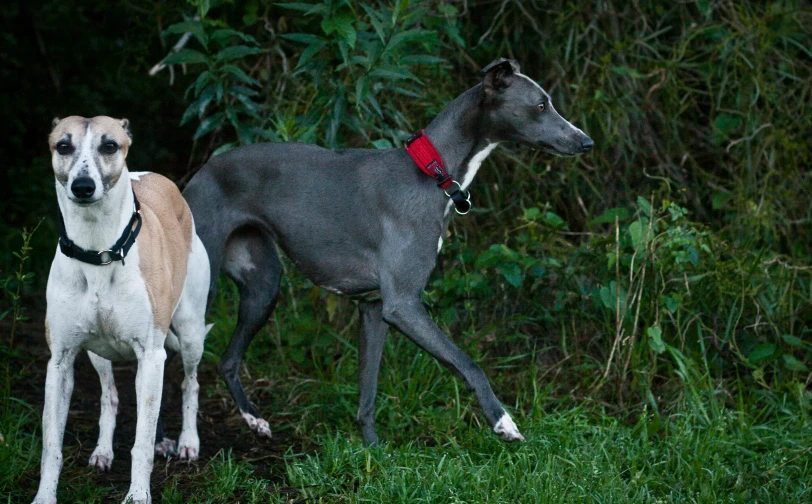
(437, 447)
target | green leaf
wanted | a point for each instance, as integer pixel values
(343, 25)
(224, 148)
(187, 56)
(201, 81)
(191, 111)
(382, 143)
(655, 339)
(193, 27)
(762, 352)
(235, 52)
(672, 303)
(609, 215)
(411, 36)
(305, 38)
(644, 205)
(607, 298)
(724, 125)
(308, 53)
(512, 273)
(792, 340)
(208, 125)
(392, 72)
(239, 74)
(421, 59)
(794, 364)
(222, 36)
(553, 220)
(532, 214)
(636, 233)
(308, 9)
(377, 22)
(629, 72)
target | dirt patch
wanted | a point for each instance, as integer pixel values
(219, 426)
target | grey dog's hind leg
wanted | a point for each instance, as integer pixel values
(373, 337)
(252, 262)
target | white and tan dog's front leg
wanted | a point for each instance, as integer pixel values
(102, 457)
(58, 391)
(149, 388)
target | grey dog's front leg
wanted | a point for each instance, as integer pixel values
(373, 337)
(408, 315)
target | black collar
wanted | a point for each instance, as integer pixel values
(102, 257)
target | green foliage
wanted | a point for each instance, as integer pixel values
(708, 271)
(12, 287)
(665, 276)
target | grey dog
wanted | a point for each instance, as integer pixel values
(366, 224)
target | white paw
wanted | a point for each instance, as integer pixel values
(257, 425)
(166, 447)
(101, 459)
(138, 497)
(188, 446)
(506, 428)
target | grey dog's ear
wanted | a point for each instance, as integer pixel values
(499, 75)
(125, 123)
(54, 122)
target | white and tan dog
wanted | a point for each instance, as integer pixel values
(122, 274)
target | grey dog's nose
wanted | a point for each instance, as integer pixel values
(83, 187)
(587, 144)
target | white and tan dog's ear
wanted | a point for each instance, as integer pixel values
(54, 122)
(125, 124)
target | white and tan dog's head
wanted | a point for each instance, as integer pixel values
(88, 155)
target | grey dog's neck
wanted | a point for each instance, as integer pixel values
(456, 131)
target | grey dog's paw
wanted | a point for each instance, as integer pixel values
(166, 447)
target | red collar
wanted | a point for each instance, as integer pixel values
(426, 157)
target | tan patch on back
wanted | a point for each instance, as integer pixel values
(164, 243)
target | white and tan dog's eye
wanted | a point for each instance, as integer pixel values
(108, 148)
(64, 148)
(541, 107)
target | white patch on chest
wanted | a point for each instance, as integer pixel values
(439, 244)
(136, 175)
(475, 163)
(470, 173)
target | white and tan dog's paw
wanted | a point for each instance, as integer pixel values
(137, 497)
(101, 459)
(40, 500)
(188, 446)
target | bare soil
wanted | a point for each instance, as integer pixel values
(220, 427)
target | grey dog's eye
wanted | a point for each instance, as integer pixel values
(64, 148)
(108, 148)
(541, 107)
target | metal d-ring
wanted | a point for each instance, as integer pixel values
(109, 257)
(467, 195)
(459, 188)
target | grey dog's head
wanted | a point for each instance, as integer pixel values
(519, 110)
(88, 155)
